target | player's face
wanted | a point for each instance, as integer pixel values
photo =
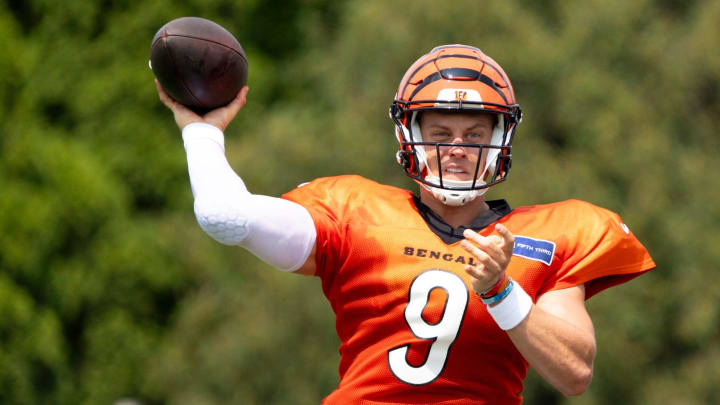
(458, 162)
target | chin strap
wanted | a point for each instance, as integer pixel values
(454, 198)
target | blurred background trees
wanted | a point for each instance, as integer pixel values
(108, 289)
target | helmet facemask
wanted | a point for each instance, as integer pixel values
(488, 157)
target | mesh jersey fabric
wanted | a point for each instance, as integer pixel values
(376, 256)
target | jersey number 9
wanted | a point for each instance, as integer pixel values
(443, 333)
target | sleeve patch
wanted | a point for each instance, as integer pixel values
(534, 249)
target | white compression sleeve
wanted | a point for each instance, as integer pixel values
(278, 231)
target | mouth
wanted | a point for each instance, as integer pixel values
(456, 173)
(454, 170)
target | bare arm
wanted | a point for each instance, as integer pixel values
(556, 336)
(558, 340)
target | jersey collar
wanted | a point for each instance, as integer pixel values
(448, 234)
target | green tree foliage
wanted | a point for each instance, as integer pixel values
(108, 288)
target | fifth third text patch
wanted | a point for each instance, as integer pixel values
(534, 249)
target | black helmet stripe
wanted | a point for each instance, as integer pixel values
(458, 56)
(458, 72)
(499, 74)
(433, 61)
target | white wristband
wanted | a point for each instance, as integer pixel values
(513, 309)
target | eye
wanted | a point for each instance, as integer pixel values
(475, 137)
(440, 135)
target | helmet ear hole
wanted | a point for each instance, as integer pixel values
(404, 159)
(506, 164)
(396, 112)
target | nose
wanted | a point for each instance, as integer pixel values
(456, 150)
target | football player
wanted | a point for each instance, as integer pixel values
(441, 297)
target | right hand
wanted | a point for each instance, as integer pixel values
(493, 254)
(219, 117)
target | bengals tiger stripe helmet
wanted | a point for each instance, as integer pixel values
(455, 78)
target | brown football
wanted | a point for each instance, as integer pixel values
(198, 62)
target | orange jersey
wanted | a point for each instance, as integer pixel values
(411, 328)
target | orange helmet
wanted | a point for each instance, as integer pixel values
(455, 78)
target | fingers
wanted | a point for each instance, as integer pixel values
(475, 250)
(482, 279)
(221, 117)
(242, 95)
(508, 239)
(238, 102)
(488, 267)
(164, 98)
(487, 245)
(169, 102)
(477, 274)
(183, 115)
(492, 252)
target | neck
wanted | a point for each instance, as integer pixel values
(454, 215)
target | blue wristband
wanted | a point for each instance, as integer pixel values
(499, 296)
